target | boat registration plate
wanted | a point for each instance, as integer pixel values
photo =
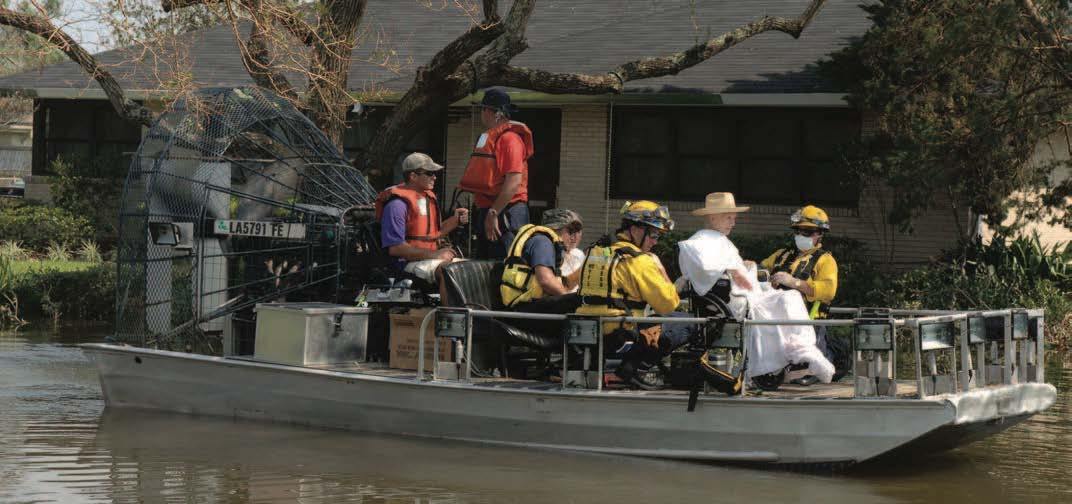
(284, 230)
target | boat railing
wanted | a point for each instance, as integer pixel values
(994, 346)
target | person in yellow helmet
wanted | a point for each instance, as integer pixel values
(809, 268)
(621, 276)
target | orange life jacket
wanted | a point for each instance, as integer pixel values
(422, 225)
(482, 177)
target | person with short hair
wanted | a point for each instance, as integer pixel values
(410, 222)
(532, 279)
(498, 175)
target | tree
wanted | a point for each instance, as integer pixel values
(281, 39)
(961, 108)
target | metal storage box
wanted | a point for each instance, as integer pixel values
(310, 334)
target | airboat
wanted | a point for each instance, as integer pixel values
(246, 249)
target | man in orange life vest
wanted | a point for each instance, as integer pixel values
(498, 175)
(409, 220)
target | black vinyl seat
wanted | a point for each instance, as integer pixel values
(475, 284)
(378, 264)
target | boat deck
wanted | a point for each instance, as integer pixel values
(838, 390)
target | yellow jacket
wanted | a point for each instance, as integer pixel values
(637, 278)
(824, 276)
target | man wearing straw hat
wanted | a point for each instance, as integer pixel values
(709, 254)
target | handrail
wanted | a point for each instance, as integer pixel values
(912, 319)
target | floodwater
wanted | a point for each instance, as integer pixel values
(58, 444)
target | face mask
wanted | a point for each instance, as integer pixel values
(803, 242)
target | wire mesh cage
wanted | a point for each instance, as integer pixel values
(233, 198)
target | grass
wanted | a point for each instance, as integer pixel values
(25, 266)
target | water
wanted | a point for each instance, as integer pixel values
(57, 444)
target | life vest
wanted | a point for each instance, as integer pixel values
(599, 294)
(482, 177)
(519, 283)
(422, 214)
(804, 269)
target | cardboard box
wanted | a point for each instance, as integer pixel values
(403, 341)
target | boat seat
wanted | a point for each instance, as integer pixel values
(378, 264)
(475, 284)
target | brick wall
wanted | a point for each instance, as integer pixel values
(583, 188)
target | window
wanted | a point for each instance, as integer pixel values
(762, 155)
(88, 132)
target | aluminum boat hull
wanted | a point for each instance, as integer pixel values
(732, 429)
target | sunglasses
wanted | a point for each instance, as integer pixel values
(808, 232)
(426, 173)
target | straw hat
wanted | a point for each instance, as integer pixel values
(717, 203)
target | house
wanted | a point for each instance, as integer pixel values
(755, 120)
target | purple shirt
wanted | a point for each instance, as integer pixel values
(393, 227)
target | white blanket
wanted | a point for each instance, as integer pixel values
(705, 257)
(572, 262)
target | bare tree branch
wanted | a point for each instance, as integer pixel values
(42, 27)
(337, 34)
(1044, 30)
(491, 9)
(647, 68)
(441, 83)
(170, 5)
(256, 52)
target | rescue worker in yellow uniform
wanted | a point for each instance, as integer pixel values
(812, 270)
(533, 279)
(621, 276)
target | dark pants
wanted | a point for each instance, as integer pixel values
(566, 303)
(673, 336)
(511, 219)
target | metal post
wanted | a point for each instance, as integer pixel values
(913, 326)
(965, 355)
(599, 358)
(1010, 352)
(1040, 352)
(420, 346)
(469, 348)
(744, 356)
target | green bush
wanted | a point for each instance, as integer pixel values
(37, 225)
(92, 188)
(87, 294)
(1018, 273)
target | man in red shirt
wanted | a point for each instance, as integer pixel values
(498, 175)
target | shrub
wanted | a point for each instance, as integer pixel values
(13, 250)
(58, 252)
(89, 251)
(87, 294)
(9, 301)
(37, 225)
(1000, 274)
(91, 188)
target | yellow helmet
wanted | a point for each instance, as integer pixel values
(648, 213)
(810, 217)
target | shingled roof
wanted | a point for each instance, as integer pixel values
(589, 36)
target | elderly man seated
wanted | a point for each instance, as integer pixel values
(709, 255)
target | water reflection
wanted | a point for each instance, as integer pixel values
(58, 445)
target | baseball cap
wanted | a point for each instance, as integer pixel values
(420, 161)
